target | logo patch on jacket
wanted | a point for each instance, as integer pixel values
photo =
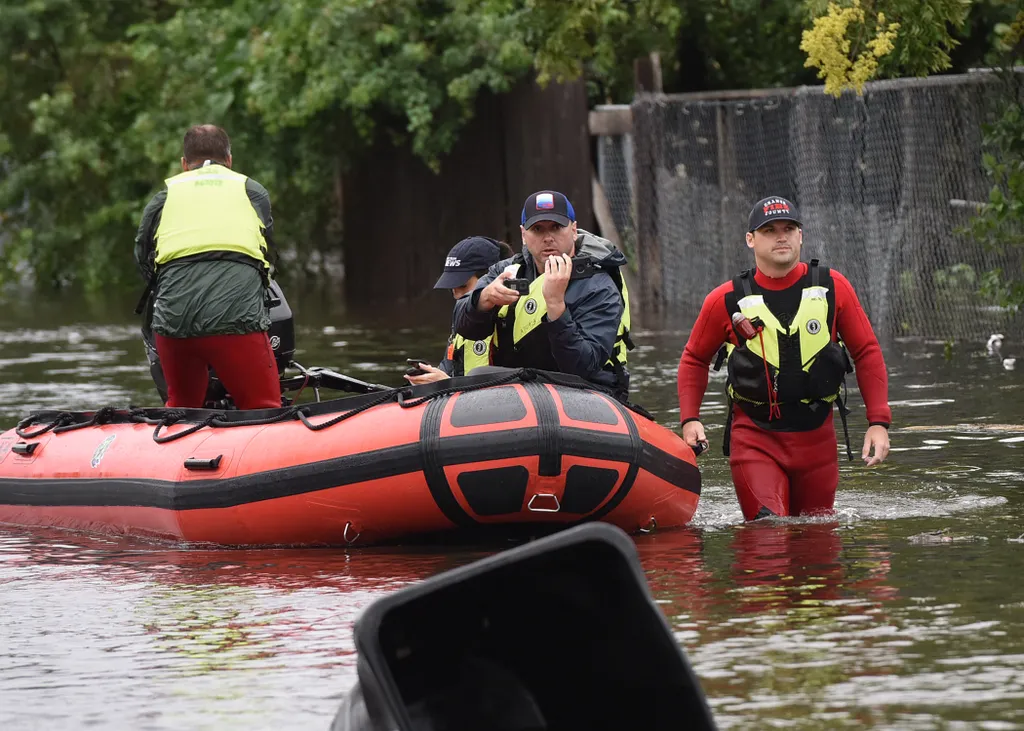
(530, 306)
(813, 327)
(479, 347)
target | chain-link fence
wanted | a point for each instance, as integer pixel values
(885, 183)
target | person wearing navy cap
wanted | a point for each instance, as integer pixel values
(573, 313)
(465, 264)
(783, 328)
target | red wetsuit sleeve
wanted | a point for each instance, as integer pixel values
(711, 330)
(855, 330)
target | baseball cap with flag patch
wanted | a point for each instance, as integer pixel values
(547, 205)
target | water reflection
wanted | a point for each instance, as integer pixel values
(200, 637)
(901, 611)
(779, 568)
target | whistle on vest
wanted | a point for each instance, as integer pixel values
(745, 328)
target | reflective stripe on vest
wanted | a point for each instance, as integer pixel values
(208, 210)
(466, 355)
(810, 323)
(531, 308)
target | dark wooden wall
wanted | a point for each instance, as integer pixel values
(547, 146)
(400, 218)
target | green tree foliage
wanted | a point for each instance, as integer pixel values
(852, 41)
(70, 169)
(1000, 220)
(99, 92)
(927, 32)
(738, 44)
(744, 44)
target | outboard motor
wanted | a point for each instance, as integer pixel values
(561, 633)
(282, 340)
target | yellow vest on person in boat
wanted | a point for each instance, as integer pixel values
(531, 308)
(466, 355)
(208, 211)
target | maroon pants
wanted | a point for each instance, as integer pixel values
(244, 364)
(789, 473)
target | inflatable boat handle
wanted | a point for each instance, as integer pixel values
(197, 463)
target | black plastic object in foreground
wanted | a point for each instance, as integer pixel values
(558, 634)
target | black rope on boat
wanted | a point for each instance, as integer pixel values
(67, 421)
(173, 417)
(383, 398)
(524, 375)
(64, 417)
(286, 415)
(140, 416)
(102, 416)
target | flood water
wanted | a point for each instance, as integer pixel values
(904, 611)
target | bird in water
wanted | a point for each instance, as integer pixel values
(995, 347)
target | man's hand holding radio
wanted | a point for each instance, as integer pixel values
(497, 294)
(557, 272)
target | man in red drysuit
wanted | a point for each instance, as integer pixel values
(781, 327)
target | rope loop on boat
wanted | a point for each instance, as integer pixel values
(102, 416)
(173, 417)
(65, 421)
(220, 422)
(385, 396)
(64, 417)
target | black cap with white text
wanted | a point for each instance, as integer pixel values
(772, 208)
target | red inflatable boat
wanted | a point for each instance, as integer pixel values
(466, 453)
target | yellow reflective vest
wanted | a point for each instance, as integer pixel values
(530, 309)
(465, 355)
(208, 212)
(799, 360)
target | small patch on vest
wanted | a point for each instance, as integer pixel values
(101, 450)
(813, 327)
(479, 347)
(530, 306)
(275, 342)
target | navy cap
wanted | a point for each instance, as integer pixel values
(547, 205)
(772, 208)
(469, 256)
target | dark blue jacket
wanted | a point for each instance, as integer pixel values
(579, 342)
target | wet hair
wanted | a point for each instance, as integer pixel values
(206, 142)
